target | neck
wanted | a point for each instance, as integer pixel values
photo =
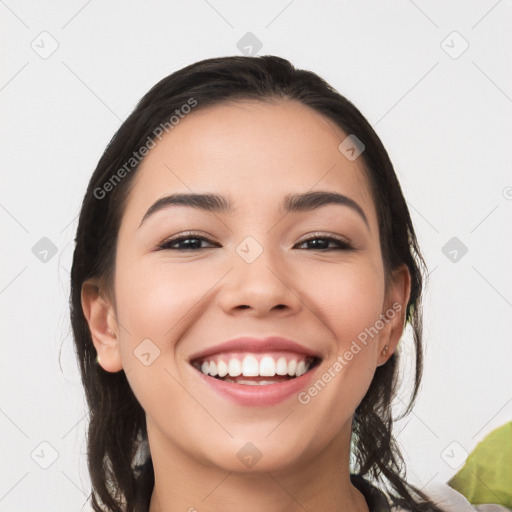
(183, 483)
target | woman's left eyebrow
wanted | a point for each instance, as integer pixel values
(292, 203)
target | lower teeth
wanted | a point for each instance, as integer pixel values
(252, 382)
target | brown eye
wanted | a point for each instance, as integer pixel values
(187, 242)
(321, 243)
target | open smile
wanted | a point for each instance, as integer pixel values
(256, 372)
(256, 368)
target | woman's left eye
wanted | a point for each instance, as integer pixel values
(340, 245)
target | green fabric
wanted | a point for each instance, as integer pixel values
(486, 477)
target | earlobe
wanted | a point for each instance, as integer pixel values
(384, 355)
(394, 313)
(100, 315)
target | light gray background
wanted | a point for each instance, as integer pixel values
(445, 119)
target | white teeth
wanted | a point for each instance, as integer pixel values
(251, 382)
(222, 368)
(281, 366)
(250, 367)
(234, 368)
(267, 367)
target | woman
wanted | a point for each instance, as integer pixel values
(244, 267)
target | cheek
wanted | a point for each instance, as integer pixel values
(347, 298)
(348, 303)
(154, 305)
(152, 300)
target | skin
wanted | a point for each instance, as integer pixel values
(255, 153)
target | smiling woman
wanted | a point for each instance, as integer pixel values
(238, 297)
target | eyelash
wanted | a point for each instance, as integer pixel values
(166, 245)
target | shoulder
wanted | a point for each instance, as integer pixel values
(450, 500)
(444, 496)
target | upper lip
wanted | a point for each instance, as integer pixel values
(246, 344)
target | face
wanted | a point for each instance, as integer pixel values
(188, 279)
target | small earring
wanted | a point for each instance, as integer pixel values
(385, 350)
(98, 358)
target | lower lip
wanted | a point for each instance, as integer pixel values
(258, 395)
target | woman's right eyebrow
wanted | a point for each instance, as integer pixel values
(292, 203)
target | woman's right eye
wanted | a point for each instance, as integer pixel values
(190, 242)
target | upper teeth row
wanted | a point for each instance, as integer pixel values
(249, 367)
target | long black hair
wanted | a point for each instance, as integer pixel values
(117, 427)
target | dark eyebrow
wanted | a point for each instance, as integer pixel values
(207, 202)
(292, 203)
(312, 200)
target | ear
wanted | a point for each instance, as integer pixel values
(394, 312)
(100, 315)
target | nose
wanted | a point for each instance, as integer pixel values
(260, 287)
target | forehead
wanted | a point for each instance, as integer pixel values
(253, 152)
